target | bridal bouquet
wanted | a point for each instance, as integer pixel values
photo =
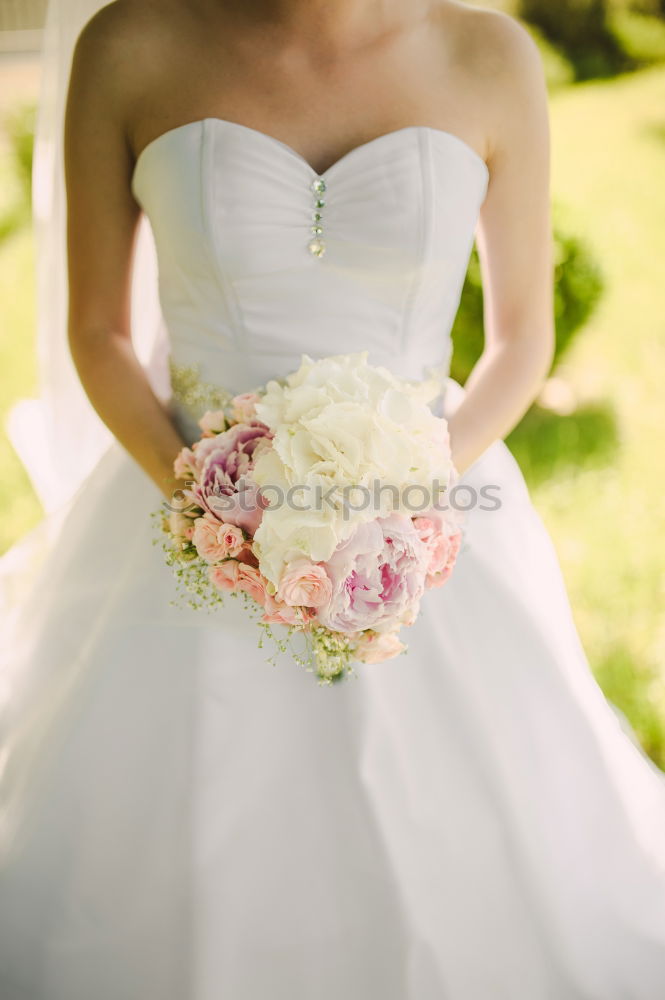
(323, 499)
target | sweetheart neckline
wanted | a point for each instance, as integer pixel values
(298, 156)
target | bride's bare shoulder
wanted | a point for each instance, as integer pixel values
(123, 56)
(121, 26)
(126, 38)
(487, 41)
(499, 69)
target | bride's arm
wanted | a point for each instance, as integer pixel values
(102, 218)
(515, 251)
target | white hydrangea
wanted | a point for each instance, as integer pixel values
(340, 422)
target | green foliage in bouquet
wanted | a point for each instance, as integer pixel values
(328, 655)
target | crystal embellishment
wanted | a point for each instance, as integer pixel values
(317, 246)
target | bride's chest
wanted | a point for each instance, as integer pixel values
(218, 189)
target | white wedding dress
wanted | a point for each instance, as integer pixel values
(469, 821)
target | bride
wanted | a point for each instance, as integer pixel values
(182, 820)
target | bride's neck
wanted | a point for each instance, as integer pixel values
(335, 20)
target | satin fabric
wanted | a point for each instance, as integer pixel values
(472, 820)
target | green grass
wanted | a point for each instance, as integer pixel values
(606, 515)
(608, 521)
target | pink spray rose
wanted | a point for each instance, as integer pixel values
(215, 541)
(231, 538)
(243, 406)
(224, 576)
(374, 647)
(212, 422)
(279, 613)
(442, 540)
(185, 465)
(305, 583)
(252, 582)
(377, 576)
(239, 576)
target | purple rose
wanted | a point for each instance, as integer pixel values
(224, 487)
(378, 577)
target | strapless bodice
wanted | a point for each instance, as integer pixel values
(240, 219)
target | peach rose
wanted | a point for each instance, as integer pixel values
(215, 541)
(305, 584)
(225, 575)
(427, 529)
(373, 647)
(185, 465)
(212, 422)
(251, 582)
(206, 540)
(279, 613)
(443, 544)
(444, 560)
(243, 406)
(231, 538)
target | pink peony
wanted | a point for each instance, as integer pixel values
(243, 507)
(443, 541)
(305, 584)
(243, 406)
(377, 576)
(231, 452)
(374, 647)
(223, 487)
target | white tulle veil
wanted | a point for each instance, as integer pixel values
(59, 437)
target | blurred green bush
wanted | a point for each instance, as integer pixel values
(599, 38)
(577, 290)
(19, 127)
(546, 442)
(21, 130)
